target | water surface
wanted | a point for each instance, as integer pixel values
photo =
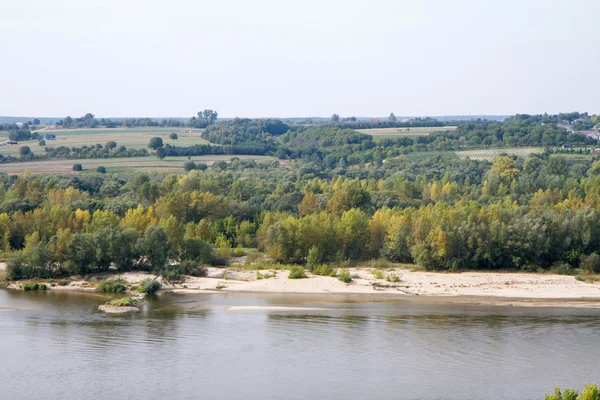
(57, 345)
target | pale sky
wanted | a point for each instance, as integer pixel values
(289, 58)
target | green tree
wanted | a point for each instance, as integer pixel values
(591, 264)
(24, 151)
(36, 121)
(155, 143)
(173, 136)
(196, 249)
(190, 165)
(155, 247)
(335, 118)
(77, 167)
(354, 234)
(101, 169)
(161, 153)
(42, 143)
(392, 118)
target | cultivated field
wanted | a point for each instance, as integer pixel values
(490, 154)
(446, 155)
(131, 138)
(174, 164)
(390, 133)
(487, 154)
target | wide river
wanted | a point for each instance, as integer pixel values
(274, 346)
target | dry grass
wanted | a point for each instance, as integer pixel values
(395, 132)
(131, 138)
(174, 164)
(490, 154)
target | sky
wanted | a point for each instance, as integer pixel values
(274, 58)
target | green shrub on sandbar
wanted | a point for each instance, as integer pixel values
(148, 286)
(112, 286)
(297, 272)
(345, 276)
(34, 286)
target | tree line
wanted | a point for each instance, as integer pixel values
(530, 214)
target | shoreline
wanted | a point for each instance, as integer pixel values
(475, 288)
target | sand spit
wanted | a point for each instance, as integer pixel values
(473, 287)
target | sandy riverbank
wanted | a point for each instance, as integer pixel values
(472, 287)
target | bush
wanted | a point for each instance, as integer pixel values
(562, 268)
(193, 269)
(14, 268)
(173, 272)
(591, 264)
(377, 274)
(297, 272)
(238, 252)
(77, 167)
(63, 282)
(112, 286)
(345, 276)
(323, 270)
(392, 277)
(34, 286)
(148, 286)
(101, 169)
(530, 268)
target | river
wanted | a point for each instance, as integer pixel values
(283, 346)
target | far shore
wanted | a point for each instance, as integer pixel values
(512, 289)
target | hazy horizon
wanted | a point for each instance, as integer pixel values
(269, 58)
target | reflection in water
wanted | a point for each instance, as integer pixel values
(336, 347)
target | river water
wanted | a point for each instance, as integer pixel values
(274, 346)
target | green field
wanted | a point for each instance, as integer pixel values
(174, 164)
(131, 138)
(490, 154)
(390, 133)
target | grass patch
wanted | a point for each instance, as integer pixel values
(380, 263)
(122, 302)
(63, 282)
(297, 272)
(111, 286)
(261, 265)
(377, 274)
(148, 286)
(265, 275)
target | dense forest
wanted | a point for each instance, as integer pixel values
(344, 198)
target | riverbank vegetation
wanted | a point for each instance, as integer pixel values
(343, 199)
(591, 392)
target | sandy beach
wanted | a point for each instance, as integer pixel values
(470, 287)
